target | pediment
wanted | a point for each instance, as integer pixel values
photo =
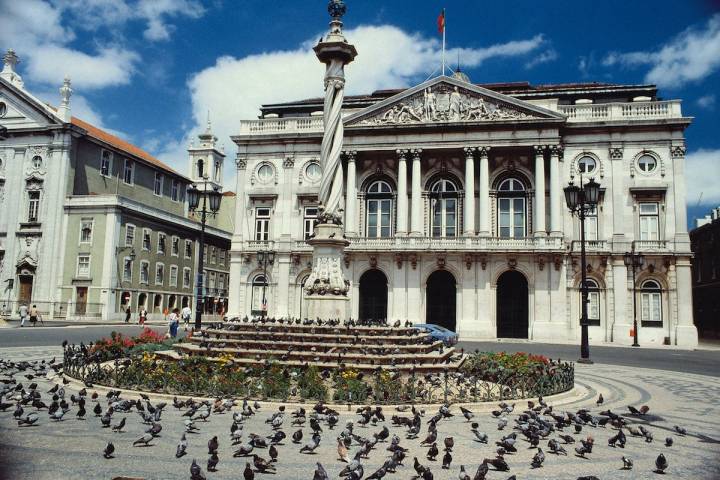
(446, 100)
(22, 110)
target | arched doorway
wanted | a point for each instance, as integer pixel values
(373, 295)
(512, 305)
(440, 299)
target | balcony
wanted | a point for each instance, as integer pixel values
(608, 112)
(591, 246)
(650, 246)
(270, 126)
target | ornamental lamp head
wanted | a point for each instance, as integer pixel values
(336, 8)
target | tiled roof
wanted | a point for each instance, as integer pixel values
(121, 144)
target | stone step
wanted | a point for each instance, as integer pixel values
(363, 330)
(314, 337)
(320, 346)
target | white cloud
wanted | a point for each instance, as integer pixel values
(691, 56)
(155, 12)
(702, 170)
(388, 57)
(707, 101)
(544, 57)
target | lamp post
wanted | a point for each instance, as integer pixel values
(210, 206)
(265, 258)
(580, 201)
(634, 260)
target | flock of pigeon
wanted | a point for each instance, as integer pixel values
(549, 432)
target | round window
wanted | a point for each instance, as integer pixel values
(647, 163)
(265, 173)
(586, 165)
(37, 161)
(312, 171)
(3, 109)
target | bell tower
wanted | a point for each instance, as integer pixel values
(206, 160)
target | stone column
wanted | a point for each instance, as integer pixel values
(484, 191)
(416, 227)
(351, 195)
(469, 220)
(556, 197)
(686, 334)
(402, 198)
(622, 320)
(539, 207)
(682, 240)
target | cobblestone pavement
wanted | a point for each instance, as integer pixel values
(71, 449)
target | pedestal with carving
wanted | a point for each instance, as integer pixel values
(326, 290)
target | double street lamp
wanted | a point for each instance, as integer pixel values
(265, 258)
(634, 260)
(210, 205)
(580, 201)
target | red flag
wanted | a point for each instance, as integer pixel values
(441, 22)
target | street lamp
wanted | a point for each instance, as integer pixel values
(210, 205)
(580, 201)
(634, 260)
(265, 257)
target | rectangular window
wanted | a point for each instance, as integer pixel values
(594, 308)
(159, 274)
(188, 248)
(650, 307)
(105, 163)
(33, 206)
(173, 275)
(262, 224)
(378, 217)
(309, 220)
(211, 281)
(161, 244)
(144, 272)
(86, 229)
(222, 257)
(129, 235)
(205, 255)
(221, 281)
(127, 269)
(213, 255)
(649, 221)
(591, 223)
(175, 191)
(128, 172)
(158, 183)
(83, 266)
(186, 277)
(511, 217)
(147, 241)
(175, 246)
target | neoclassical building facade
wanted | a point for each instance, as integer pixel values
(456, 215)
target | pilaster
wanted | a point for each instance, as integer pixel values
(555, 192)
(469, 216)
(539, 229)
(416, 227)
(484, 191)
(402, 199)
(351, 194)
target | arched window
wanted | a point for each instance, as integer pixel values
(444, 207)
(651, 304)
(302, 296)
(379, 203)
(142, 300)
(593, 305)
(511, 209)
(217, 170)
(201, 168)
(259, 295)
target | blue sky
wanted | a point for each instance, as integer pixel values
(151, 69)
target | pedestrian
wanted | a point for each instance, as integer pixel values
(127, 314)
(186, 314)
(142, 316)
(173, 322)
(221, 312)
(33, 315)
(23, 314)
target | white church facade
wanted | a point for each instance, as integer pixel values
(455, 210)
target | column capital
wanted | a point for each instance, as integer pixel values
(539, 149)
(415, 152)
(483, 150)
(677, 151)
(349, 155)
(469, 151)
(616, 153)
(557, 150)
(241, 162)
(401, 153)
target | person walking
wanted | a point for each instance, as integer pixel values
(186, 314)
(142, 316)
(173, 322)
(33, 315)
(127, 314)
(23, 314)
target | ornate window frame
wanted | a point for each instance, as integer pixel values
(636, 167)
(575, 165)
(255, 177)
(303, 176)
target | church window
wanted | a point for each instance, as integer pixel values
(379, 202)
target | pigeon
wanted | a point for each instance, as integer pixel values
(342, 451)
(196, 471)
(181, 448)
(320, 473)
(248, 473)
(262, 465)
(213, 445)
(498, 463)
(244, 450)
(312, 445)
(432, 452)
(556, 448)
(449, 442)
(109, 449)
(668, 441)
(481, 471)
(538, 459)
(467, 413)
(600, 400)
(661, 463)
(447, 460)
(119, 426)
(481, 437)
(680, 430)
(297, 436)
(145, 440)
(212, 462)
(627, 463)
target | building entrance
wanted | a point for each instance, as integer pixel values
(373, 295)
(512, 305)
(440, 299)
(25, 290)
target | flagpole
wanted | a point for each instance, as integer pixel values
(443, 43)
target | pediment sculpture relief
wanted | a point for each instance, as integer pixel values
(444, 103)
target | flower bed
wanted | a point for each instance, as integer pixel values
(119, 345)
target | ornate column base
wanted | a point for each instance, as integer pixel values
(326, 290)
